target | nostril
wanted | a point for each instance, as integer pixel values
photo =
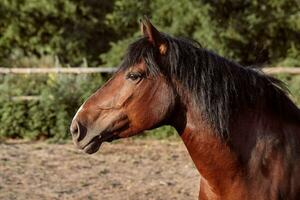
(78, 131)
(81, 131)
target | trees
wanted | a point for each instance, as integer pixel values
(259, 31)
(99, 31)
(70, 29)
(248, 31)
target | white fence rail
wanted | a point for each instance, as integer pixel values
(282, 70)
(109, 70)
(73, 70)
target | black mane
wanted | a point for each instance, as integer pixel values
(220, 87)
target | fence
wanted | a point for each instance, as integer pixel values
(268, 70)
(107, 70)
(85, 70)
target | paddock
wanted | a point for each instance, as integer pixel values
(126, 169)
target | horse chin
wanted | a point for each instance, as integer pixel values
(93, 146)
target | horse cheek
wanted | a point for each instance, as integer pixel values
(162, 106)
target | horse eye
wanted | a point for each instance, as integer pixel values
(133, 76)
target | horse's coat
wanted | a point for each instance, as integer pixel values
(239, 126)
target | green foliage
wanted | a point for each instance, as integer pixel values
(70, 29)
(177, 17)
(49, 33)
(256, 31)
(293, 84)
(51, 114)
(250, 32)
(161, 133)
(13, 121)
(60, 97)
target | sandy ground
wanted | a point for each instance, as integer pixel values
(127, 169)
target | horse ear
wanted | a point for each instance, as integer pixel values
(153, 35)
(149, 31)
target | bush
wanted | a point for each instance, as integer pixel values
(60, 96)
(50, 115)
(293, 84)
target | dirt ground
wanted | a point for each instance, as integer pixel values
(127, 169)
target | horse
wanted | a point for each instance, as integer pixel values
(238, 124)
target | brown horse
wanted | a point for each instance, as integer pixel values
(239, 126)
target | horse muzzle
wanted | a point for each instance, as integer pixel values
(90, 139)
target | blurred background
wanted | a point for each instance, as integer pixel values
(46, 35)
(92, 33)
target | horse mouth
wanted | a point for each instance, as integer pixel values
(108, 135)
(94, 145)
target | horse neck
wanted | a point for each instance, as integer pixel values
(212, 157)
(223, 164)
